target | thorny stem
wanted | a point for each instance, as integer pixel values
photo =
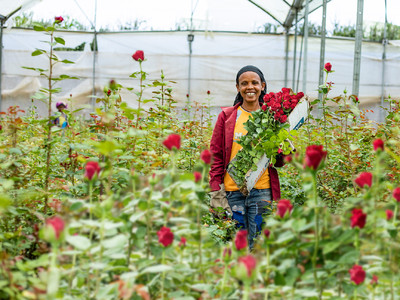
(316, 246)
(139, 102)
(267, 272)
(46, 181)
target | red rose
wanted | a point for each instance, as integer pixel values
(165, 236)
(358, 218)
(267, 233)
(241, 239)
(208, 92)
(283, 118)
(249, 262)
(389, 214)
(58, 20)
(314, 156)
(267, 98)
(264, 107)
(173, 140)
(357, 274)
(283, 206)
(108, 92)
(182, 243)
(299, 95)
(206, 156)
(374, 280)
(286, 90)
(138, 55)
(396, 194)
(91, 168)
(364, 178)
(378, 145)
(57, 224)
(328, 67)
(286, 105)
(197, 176)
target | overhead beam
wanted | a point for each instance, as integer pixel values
(266, 11)
(294, 9)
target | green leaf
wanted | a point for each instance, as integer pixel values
(157, 269)
(37, 52)
(66, 61)
(79, 242)
(38, 27)
(59, 40)
(117, 241)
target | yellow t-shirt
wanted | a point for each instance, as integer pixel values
(230, 185)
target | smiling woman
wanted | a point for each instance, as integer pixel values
(247, 210)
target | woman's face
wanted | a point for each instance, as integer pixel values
(250, 86)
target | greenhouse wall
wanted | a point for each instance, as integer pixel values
(216, 58)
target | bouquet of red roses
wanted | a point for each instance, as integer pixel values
(267, 133)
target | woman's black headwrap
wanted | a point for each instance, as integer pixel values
(254, 69)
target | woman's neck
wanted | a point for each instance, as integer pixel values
(251, 106)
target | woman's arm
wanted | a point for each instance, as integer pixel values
(217, 149)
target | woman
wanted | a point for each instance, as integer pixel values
(61, 119)
(247, 211)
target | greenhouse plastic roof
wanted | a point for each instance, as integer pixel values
(8, 8)
(284, 12)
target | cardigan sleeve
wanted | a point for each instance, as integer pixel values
(217, 150)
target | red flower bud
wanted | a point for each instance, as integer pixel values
(364, 178)
(249, 262)
(57, 224)
(378, 145)
(358, 218)
(267, 233)
(357, 274)
(208, 92)
(283, 207)
(396, 194)
(138, 55)
(328, 67)
(58, 20)
(182, 243)
(314, 156)
(389, 214)
(165, 236)
(91, 168)
(108, 92)
(241, 239)
(197, 176)
(206, 156)
(173, 140)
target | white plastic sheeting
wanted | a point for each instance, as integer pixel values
(216, 59)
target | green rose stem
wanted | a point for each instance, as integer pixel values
(53, 272)
(391, 254)
(90, 198)
(324, 97)
(139, 102)
(163, 274)
(267, 270)
(100, 258)
(149, 212)
(316, 221)
(246, 290)
(226, 262)
(357, 244)
(199, 228)
(48, 144)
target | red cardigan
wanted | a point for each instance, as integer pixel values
(221, 147)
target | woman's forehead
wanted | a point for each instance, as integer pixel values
(249, 75)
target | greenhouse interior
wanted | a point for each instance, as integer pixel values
(199, 149)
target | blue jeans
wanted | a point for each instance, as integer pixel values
(249, 211)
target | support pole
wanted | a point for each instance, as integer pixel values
(2, 21)
(286, 56)
(295, 53)
(357, 48)
(384, 43)
(95, 49)
(322, 48)
(305, 55)
(190, 39)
